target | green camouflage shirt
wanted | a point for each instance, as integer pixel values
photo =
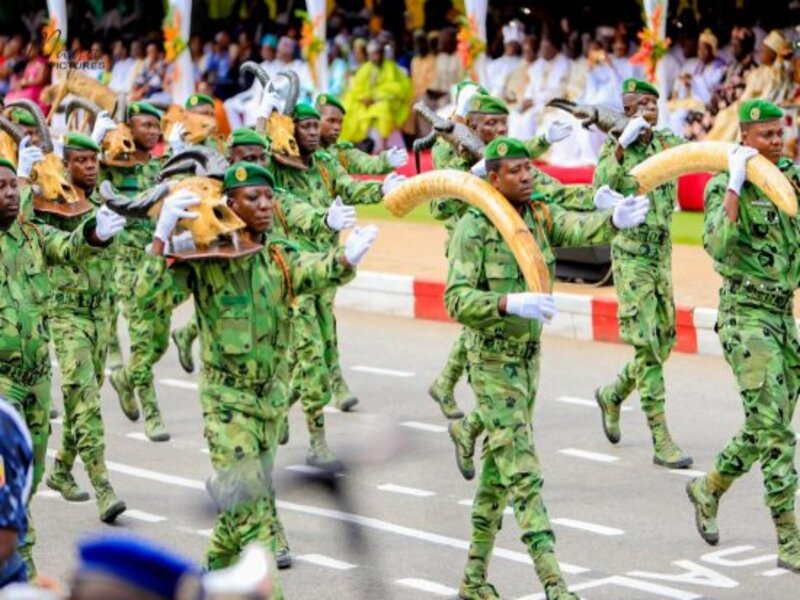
(318, 186)
(242, 303)
(27, 250)
(130, 181)
(482, 269)
(653, 237)
(762, 245)
(357, 162)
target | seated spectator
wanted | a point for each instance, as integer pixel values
(547, 78)
(150, 79)
(122, 71)
(423, 73)
(449, 70)
(733, 81)
(35, 77)
(501, 68)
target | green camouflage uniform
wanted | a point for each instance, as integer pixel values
(317, 376)
(503, 368)
(27, 249)
(79, 317)
(758, 259)
(242, 307)
(357, 162)
(642, 267)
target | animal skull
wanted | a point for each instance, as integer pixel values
(216, 220)
(118, 145)
(198, 127)
(280, 129)
(48, 177)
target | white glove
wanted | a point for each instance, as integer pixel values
(392, 181)
(396, 157)
(102, 125)
(175, 138)
(737, 166)
(109, 224)
(630, 212)
(270, 100)
(358, 243)
(464, 96)
(340, 216)
(632, 131)
(528, 305)
(173, 210)
(479, 168)
(557, 131)
(605, 198)
(27, 157)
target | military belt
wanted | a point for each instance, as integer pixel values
(25, 377)
(762, 293)
(214, 375)
(650, 235)
(524, 350)
(81, 299)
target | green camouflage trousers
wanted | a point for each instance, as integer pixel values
(81, 343)
(33, 403)
(762, 348)
(456, 362)
(242, 429)
(505, 389)
(646, 312)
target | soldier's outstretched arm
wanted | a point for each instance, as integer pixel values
(354, 191)
(156, 277)
(312, 272)
(572, 228)
(302, 217)
(537, 146)
(361, 163)
(611, 172)
(720, 233)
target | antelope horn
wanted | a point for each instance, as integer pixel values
(76, 103)
(713, 156)
(137, 207)
(185, 166)
(41, 122)
(191, 153)
(449, 183)
(11, 129)
(121, 108)
(256, 70)
(293, 93)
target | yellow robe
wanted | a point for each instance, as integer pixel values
(390, 90)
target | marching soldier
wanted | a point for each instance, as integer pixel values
(80, 320)
(642, 266)
(242, 305)
(486, 293)
(24, 295)
(314, 339)
(754, 248)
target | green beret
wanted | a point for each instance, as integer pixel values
(487, 105)
(324, 99)
(20, 116)
(246, 137)
(758, 111)
(638, 86)
(245, 173)
(199, 99)
(4, 162)
(465, 82)
(303, 112)
(505, 147)
(79, 141)
(143, 108)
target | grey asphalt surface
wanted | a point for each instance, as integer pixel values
(625, 528)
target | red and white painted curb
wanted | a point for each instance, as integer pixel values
(579, 317)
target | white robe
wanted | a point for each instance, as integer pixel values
(498, 72)
(547, 79)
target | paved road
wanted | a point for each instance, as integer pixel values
(625, 528)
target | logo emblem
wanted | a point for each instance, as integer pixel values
(193, 101)
(323, 100)
(755, 113)
(241, 174)
(631, 86)
(502, 149)
(476, 104)
(135, 108)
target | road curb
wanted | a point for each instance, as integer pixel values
(579, 317)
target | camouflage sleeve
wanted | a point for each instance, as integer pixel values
(156, 277)
(610, 172)
(68, 247)
(313, 272)
(445, 157)
(361, 163)
(720, 234)
(354, 191)
(537, 146)
(671, 139)
(572, 228)
(464, 299)
(573, 197)
(302, 217)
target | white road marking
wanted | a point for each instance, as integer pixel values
(179, 383)
(427, 586)
(308, 469)
(141, 515)
(409, 491)
(205, 451)
(585, 402)
(506, 511)
(137, 435)
(687, 472)
(58, 421)
(775, 572)
(330, 409)
(424, 426)
(48, 494)
(379, 371)
(325, 561)
(591, 527)
(596, 456)
(204, 532)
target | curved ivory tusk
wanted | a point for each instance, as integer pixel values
(713, 156)
(449, 183)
